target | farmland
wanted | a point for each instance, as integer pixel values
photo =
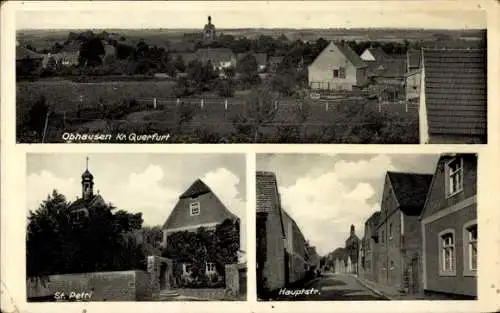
(125, 107)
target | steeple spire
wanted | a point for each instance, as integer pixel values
(87, 182)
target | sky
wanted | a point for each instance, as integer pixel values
(248, 14)
(147, 183)
(326, 193)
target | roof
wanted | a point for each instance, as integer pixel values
(212, 210)
(196, 189)
(373, 219)
(410, 190)
(378, 53)
(455, 91)
(414, 58)
(352, 56)
(214, 54)
(391, 66)
(23, 53)
(267, 191)
(82, 203)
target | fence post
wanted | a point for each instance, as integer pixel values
(406, 106)
(201, 103)
(154, 103)
(225, 105)
(379, 105)
(326, 106)
(276, 104)
(45, 126)
(178, 101)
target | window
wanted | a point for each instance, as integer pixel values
(447, 253)
(341, 72)
(335, 73)
(470, 248)
(194, 208)
(210, 268)
(382, 236)
(186, 269)
(455, 176)
(390, 231)
(392, 265)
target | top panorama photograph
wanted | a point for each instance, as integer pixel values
(230, 76)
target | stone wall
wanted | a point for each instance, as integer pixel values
(95, 286)
(155, 265)
(235, 275)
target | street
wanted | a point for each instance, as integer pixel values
(329, 287)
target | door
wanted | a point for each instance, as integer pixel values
(414, 276)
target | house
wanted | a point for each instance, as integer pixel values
(413, 74)
(295, 250)
(83, 207)
(221, 58)
(337, 67)
(345, 259)
(370, 247)
(27, 60)
(453, 97)
(280, 245)
(374, 55)
(399, 247)
(449, 228)
(197, 207)
(261, 59)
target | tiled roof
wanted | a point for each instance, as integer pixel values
(352, 56)
(373, 219)
(196, 189)
(23, 53)
(410, 190)
(214, 55)
(455, 91)
(267, 192)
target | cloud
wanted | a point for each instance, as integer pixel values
(224, 184)
(325, 205)
(40, 185)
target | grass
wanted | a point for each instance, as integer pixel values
(346, 121)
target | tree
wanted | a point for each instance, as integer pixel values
(91, 51)
(260, 112)
(179, 64)
(248, 69)
(37, 115)
(58, 243)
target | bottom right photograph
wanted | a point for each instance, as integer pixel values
(366, 226)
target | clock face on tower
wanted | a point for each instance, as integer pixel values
(208, 33)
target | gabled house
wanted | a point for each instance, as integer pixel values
(399, 247)
(281, 246)
(27, 60)
(220, 58)
(337, 67)
(374, 55)
(198, 207)
(370, 247)
(453, 97)
(449, 228)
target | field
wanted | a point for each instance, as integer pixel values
(44, 39)
(106, 108)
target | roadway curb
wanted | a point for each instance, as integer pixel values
(372, 289)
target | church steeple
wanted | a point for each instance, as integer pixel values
(209, 31)
(87, 182)
(352, 230)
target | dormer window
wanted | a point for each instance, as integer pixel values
(194, 208)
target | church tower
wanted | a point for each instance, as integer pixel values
(209, 31)
(87, 182)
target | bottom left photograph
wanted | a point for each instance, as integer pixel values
(136, 227)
